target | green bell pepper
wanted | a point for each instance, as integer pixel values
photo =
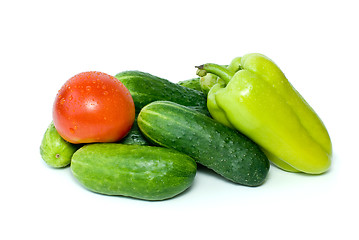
(255, 97)
(209, 80)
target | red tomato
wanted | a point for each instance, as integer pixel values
(93, 107)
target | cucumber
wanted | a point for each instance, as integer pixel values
(146, 88)
(143, 172)
(54, 150)
(135, 136)
(220, 148)
(193, 83)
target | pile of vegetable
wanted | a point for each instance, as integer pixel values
(138, 135)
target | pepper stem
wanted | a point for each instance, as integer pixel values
(215, 69)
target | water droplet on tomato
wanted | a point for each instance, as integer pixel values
(88, 88)
(72, 130)
(70, 98)
(62, 101)
(103, 87)
(105, 93)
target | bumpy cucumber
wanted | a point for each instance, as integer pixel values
(54, 150)
(222, 149)
(135, 136)
(193, 83)
(144, 172)
(146, 88)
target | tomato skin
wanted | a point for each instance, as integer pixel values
(93, 107)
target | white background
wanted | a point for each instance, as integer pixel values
(44, 43)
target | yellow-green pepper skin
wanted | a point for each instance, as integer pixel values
(209, 80)
(258, 100)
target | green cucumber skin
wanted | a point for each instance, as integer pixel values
(135, 136)
(146, 88)
(224, 150)
(193, 83)
(143, 172)
(54, 150)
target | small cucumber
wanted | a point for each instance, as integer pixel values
(144, 172)
(193, 83)
(135, 136)
(54, 150)
(220, 148)
(146, 88)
